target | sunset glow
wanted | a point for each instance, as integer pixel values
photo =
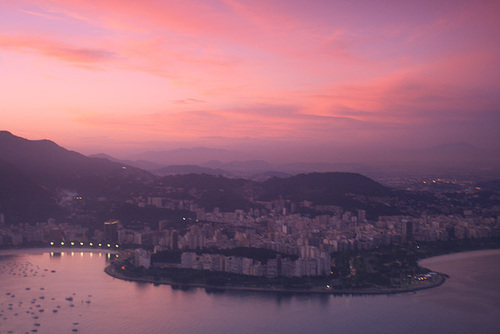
(120, 76)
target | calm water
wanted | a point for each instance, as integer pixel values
(469, 302)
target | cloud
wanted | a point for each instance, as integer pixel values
(68, 53)
(80, 55)
(294, 70)
(43, 15)
(188, 101)
(273, 122)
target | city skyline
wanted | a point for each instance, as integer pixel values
(309, 79)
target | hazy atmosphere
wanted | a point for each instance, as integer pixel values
(249, 166)
(277, 80)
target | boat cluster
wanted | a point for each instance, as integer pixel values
(25, 309)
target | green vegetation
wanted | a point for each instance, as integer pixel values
(396, 265)
(177, 276)
(171, 256)
(259, 254)
(388, 267)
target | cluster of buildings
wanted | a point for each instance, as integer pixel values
(312, 266)
(275, 225)
(303, 236)
(41, 233)
(289, 233)
(312, 240)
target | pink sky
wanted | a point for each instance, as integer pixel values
(123, 76)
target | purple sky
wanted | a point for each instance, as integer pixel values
(290, 79)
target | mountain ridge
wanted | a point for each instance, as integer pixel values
(56, 167)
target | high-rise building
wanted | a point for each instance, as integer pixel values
(407, 230)
(174, 240)
(111, 231)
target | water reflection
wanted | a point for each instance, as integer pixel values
(142, 285)
(130, 307)
(55, 254)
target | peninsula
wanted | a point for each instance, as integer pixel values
(388, 270)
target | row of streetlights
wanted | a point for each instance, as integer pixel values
(81, 243)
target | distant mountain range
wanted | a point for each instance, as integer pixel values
(142, 164)
(448, 159)
(184, 156)
(190, 169)
(33, 174)
(255, 169)
(215, 158)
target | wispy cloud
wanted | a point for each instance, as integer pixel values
(61, 51)
(188, 101)
(40, 14)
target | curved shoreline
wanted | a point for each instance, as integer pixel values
(372, 291)
(441, 278)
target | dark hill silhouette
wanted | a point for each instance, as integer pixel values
(213, 191)
(55, 167)
(322, 188)
(22, 199)
(230, 194)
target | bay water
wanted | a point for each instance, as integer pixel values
(68, 292)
